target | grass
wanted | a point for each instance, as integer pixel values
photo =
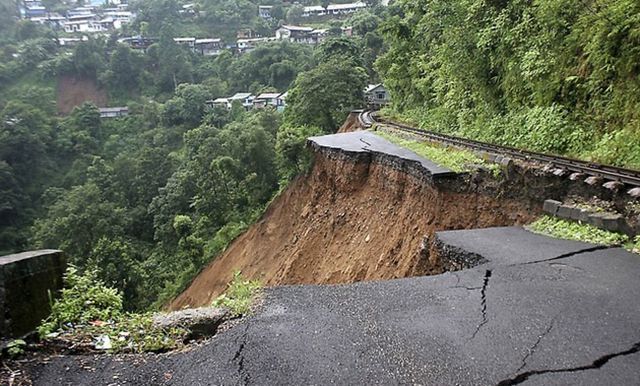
(569, 230)
(455, 159)
(240, 295)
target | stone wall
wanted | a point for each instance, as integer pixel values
(26, 281)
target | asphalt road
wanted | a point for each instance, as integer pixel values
(529, 316)
(368, 142)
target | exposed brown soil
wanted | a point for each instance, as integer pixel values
(73, 91)
(351, 221)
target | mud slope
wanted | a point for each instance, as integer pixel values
(350, 221)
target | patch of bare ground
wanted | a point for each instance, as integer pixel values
(72, 91)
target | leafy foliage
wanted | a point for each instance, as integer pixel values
(88, 309)
(563, 229)
(240, 295)
(550, 75)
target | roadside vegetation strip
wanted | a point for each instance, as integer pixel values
(455, 159)
(89, 316)
(569, 230)
(240, 296)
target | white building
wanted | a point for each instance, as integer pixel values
(113, 112)
(314, 10)
(264, 11)
(376, 95)
(246, 45)
(342, 9)
(304, 35)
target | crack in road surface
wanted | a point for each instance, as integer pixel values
(535, 345)
(239, 357)
(598, 363)
(483, 293)
(565, 255)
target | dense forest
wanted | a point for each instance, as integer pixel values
(559, 76)
(148, 199)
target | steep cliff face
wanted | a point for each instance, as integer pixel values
(353, 219)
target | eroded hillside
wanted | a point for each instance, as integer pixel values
(353, 219)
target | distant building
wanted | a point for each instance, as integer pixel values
(281, 101)
(314, 10)
(208, 47)
(333, 9)
(113, 112)
(246, 45)
(266, 99)
(264, 11)
(137, 42)
(303, 35)
(376, 95)
(245, 98)
(275, 100)
(343, 9)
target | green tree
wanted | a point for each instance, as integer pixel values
(324, 96)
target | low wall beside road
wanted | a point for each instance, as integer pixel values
(27, 282)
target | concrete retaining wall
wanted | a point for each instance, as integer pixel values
(26, 280)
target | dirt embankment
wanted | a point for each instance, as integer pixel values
(72, 91)
(352, 220)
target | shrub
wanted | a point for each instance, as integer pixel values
(239, 295)
(88, 310)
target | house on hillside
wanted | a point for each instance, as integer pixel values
(186, 42)
(314, 10)
(376, 96)
(266, 99)
(281, 101)
(113, 112)
(303, 35)
(208, 47)
(264, 11)
(137, 42)
(246, 45)
(220, 102)
(343, 9)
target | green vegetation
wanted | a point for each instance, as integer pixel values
(15, 348)
(146, 201)
(240, 295)
(457, 160)
(557, 76)
(563, 229)
(88, 310)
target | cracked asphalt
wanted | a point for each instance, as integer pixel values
(541, 311)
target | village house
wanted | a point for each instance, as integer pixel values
(246, 45)
(264, 11)
(208, 47)
(266, 99)
(137, 42)
(52, 20)
(343, 9)
(113, 112)
(281, 101)
(314, 10)
(376, 96)
(303, 35)
(249, 101)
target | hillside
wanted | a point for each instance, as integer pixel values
(353, 219)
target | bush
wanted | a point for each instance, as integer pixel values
(84, 299)
(239, 295)
(89, 310)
